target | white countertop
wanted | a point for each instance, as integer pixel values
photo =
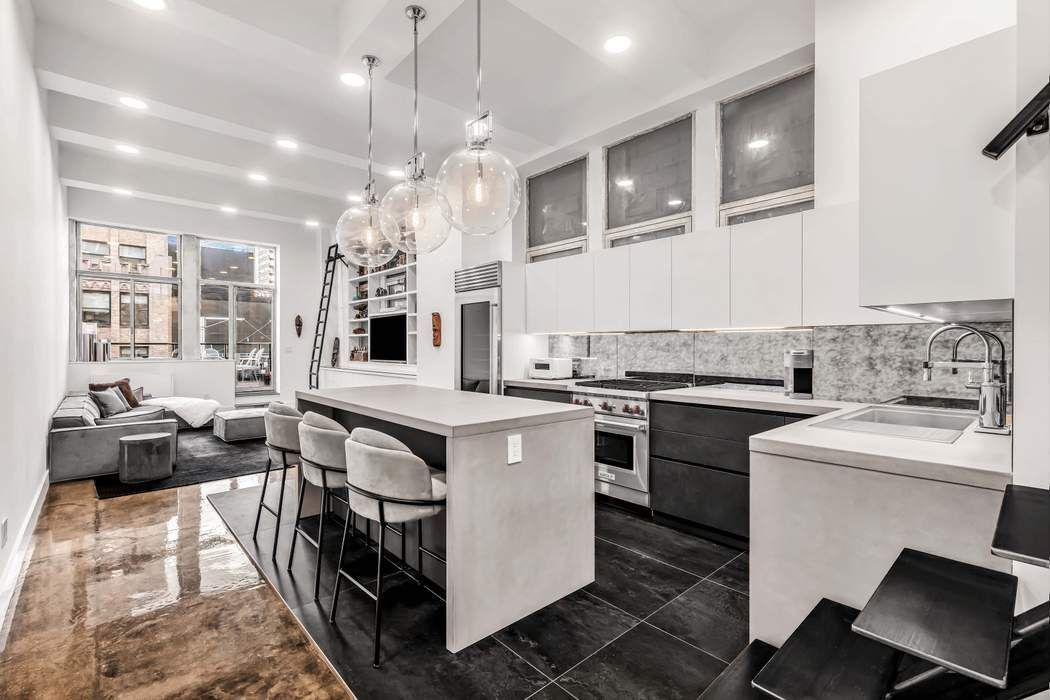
(757, 399)
(975, 459)
(444, 411)
(395, 368)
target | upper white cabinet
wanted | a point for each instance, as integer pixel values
(575, 285)
(936, 216)
(650, 285)
(830, 270)
(766, 272)
(700, 284)
(612, 274)
(541, 297)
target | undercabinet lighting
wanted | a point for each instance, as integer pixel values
(352, 79)
(228, 209)
(287, 144)
(257, 177)
(674, 202)
(312, 223)
(127, 148)
(355, 198)
(761, 329)
(624, 182)
(155, 5)
(395, 173)
(133, 102)
(758, 143)
(914, 314)
(617, 44)
(122, 191)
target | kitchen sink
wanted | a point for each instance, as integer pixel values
(930, 424)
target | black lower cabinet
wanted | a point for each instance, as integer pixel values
(541, 394)
(708, 497)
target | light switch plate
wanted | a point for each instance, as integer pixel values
(513, 449)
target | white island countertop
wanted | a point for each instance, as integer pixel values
(759, 399)
(444, 411)
(974, 459)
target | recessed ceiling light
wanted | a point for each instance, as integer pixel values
(352, 79)
(624, 182)
(152, 4)
(355, 198)
(758, 143)
(127, 148)
(257, 177)
(395, 173)
(617, 44)
(234, 267)
(674, 202)
(122, 191)
(227, 209)
(133, 102)
(287, 144)
(313, 223)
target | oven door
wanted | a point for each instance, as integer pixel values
(621, 453)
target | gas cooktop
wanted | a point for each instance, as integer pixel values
(640, 385)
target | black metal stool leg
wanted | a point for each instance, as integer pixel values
(379, 589)
(419, 552)
(258, 513)
(339, 570)
(298, 516)
(280, 505)
(320, 534)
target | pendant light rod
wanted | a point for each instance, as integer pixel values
(478, 61)
(370, 62)
(417, 14)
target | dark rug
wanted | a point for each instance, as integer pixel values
(201, 457)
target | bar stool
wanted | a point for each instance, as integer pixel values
(322, 463)
(386, 483)
(282, 444)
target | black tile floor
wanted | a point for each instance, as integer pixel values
(666, 613)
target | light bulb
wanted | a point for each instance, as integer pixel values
(416, 218)
(413, 216)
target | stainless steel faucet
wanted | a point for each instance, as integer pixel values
(991, 411)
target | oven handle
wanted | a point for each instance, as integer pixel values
(639, 427)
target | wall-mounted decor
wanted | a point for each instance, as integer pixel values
(435, 326)
(335, 352)
(298, 326)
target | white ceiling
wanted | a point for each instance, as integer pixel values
(224, 78)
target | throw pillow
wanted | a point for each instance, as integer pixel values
(124, 385)
(109, 401)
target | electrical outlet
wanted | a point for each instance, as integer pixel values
(3, 533)
(513, 449)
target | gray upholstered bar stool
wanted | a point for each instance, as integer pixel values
(322, 463)
(386, 483)
(282, 446)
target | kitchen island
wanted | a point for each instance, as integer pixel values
(519, 528)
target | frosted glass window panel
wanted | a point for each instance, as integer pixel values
(767, 140)
(646, 236)
(540, 257)
(650, 176)
(557, 204)
(770, 212)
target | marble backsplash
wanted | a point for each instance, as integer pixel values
(850, 363)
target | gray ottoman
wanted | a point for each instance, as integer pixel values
(240, 424)
(145, 457)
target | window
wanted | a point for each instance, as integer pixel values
(238, 262)
(557, 211)
(649, 180)
(650, 234)
(767, 151)
(142, 279)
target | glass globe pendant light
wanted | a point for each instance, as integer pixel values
(481, 185)
(414, 214)
(357, 232)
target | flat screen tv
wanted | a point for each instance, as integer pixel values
(388, 336)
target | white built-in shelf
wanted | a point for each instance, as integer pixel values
(396, 312)
(386, 297)
(358, 302)
(376, 306)
(391, 271)
(358, 335)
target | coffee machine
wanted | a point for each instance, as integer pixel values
(798, 374)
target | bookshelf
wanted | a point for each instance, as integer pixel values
(379, 293)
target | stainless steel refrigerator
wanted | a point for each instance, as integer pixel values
(479, 324)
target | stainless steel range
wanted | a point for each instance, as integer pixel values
(621, 433)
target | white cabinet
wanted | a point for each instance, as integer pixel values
(575, 285)
(830, 270)
(700, 283)
(766, 272)
(936, 216)
(612, 274)
(650, 286)
(541, 297)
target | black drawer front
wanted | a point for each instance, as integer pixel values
(541, 394)
(700, 449)
(723, 423)
(704, 496)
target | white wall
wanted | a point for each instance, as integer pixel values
(1032, 282)
(436, 366)
(856, 38)
(298, 273)
(205, 379)
(33, 284)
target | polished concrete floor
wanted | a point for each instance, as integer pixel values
(150, 596)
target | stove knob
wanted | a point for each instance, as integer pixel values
(606, 406)
(626, 408)
(637, 410)
(588, 402)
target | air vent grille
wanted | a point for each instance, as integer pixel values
(481, 277)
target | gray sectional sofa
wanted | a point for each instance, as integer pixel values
(82, 444)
